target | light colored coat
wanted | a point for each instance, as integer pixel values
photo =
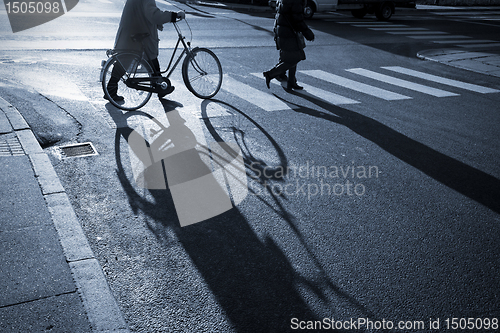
(141, 16)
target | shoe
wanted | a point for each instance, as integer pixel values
(115, 98)
(166, 92)
(293, 85)
(268, 79)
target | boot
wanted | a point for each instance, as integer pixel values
(292, 80)
(277, 71)
(268, 77)
(167, 91)
(112, 86)
(293, 85)
(113, 92)
(164, 87)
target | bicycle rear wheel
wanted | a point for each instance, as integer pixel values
(117, 74)
(202, 73)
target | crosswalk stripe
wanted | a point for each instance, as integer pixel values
(466, 13)
(378, 25)
(269, 102)
(356, 86)
(327, 96)
(439, 37)
(358, 22)
(401, 83)
(466, 41)
(442, 80)
(480, 45)
(261, 99)
(417, 32)
(330, 97)
(397, 29)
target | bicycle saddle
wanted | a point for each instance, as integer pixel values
(139, 37)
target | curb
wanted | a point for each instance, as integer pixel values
(427, 6)
(102, 309)
(469, 60)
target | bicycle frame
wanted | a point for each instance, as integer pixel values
(187, 50)
(137, 83)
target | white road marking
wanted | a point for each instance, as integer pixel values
(439, 37)
(398, 29)
(327, 96)
(466, 41)
(402, 83)
(442, 80)
(261, 99)
(356, 86)
(417, 32)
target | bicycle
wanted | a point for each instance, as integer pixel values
(201, 73)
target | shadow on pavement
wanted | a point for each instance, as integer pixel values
(458, 176)
(251, 277)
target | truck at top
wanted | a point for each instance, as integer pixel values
(383, 10)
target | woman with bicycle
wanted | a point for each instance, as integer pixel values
(141, 18)
(288, 24)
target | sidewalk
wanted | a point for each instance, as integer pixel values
(476, 61)
(50, 280)
(485, 59)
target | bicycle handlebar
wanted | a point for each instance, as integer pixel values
(181, 15)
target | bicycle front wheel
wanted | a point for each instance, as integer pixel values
(123, 77)
(202, 73)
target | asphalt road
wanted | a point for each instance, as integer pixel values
(366, 199)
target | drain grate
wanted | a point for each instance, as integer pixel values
(10, 145)
(78, 150)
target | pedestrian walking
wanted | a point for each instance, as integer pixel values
(289, 31)
(140, 17)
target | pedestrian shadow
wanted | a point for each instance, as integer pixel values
(166, 154)
(251, 277)
(469, 181)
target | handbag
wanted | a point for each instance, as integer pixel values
(300, 39)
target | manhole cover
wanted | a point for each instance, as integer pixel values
(78, 150)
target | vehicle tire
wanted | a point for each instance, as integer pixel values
(202, 73)
(385, 11)
(309, 10)
(359, 13)
(120, 68)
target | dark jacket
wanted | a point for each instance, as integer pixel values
(290, 19)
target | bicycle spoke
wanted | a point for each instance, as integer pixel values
(202, 73)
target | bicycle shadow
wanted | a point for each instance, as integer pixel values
(469, 181)
(252, 279)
